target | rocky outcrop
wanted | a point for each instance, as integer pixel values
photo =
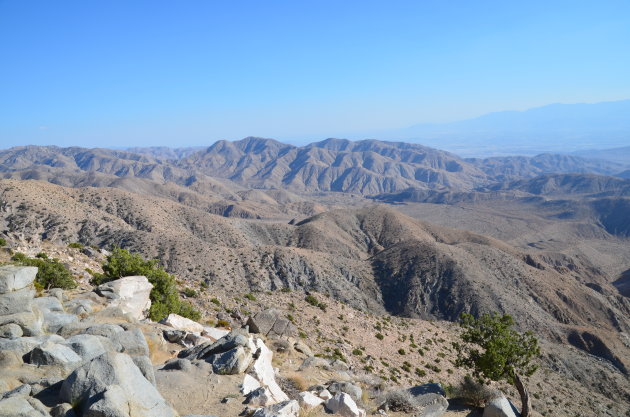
(344, 405)
(112, 383)
(499, 407)
(16, 297)
(130, 294)
(270, 323)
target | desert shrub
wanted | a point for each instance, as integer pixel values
(379, 336)
(165, 298)
(3, 242)
(473, 392)
(420, 372)
(215, 301)
(50, 272)
(401, 351)
(357, 352)
(75, 245)
(223, 323)
(250, 297)
(191, 293)
(399, 400)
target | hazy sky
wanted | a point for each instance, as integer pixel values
(178, 73)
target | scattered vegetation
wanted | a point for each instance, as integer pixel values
(50, 273)
(165, 298)
(3, 242)
(250, 297)
(76, 245)
(312, 300)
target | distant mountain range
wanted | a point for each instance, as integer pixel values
(366, 167)
(558, 128)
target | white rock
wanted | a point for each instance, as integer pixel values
(344, 405)
(309, 400)
(325, 395)
(130, 294)
(214, 333)
(182, 323)
(498, 407)
(262, 370)
(249, 384)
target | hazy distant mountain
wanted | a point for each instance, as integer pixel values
(164, 152)
(618, 155)
(553, 128)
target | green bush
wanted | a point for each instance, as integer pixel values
(250, 297)
(3, 242)
(379, 336)
(165, 298)
(50, 273)
(75, 245)
(190, 293)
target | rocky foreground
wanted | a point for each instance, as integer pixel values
(94, 354)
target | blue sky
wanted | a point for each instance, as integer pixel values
(178, 73)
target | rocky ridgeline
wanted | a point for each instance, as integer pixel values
(94, 354)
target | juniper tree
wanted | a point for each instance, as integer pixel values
(494, 351)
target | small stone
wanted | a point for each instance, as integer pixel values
(11, 331)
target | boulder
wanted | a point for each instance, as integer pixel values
(23, 390)
(344, 405)
(303, 348)
(349, 388)
(430, 399)
(30, 322)
(21, 407)
(308, 400)
(174, 336)
(11, 331)
(23, 345)
(146, 367)
(498, 407)
(48, 304)
(177, 365)
(270, 323)
(53, 321)
(87, 346)
(50, 353)
(106, 330)
(260, 397)
(131, 342)
(57, 293)
(325, 395)
(18, 301)
(130, 294)
(62, 410)
(284, 409)
(214, 333)
(230, 341)
(182, 323)
(192, 339)
(13, 278)
(113, 383)
(234, 361)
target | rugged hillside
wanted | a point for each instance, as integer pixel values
(375, 259)
(366, 167)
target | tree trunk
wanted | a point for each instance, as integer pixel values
(525, 401)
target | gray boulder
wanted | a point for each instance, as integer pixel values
(24, 345)
(271, 323)
(30, 322)
(48, 304)
(174, 336)
(106, 330)
(499, 407)
(11, 331)
(131, 342)
(22, 407)
(13, 278)
(430, 399)
(87, 346)
(23, 390)
(232, 340)
(146, 367)
(112, 383)
(289, 408)
(54, 321)
(62, 410)
(349, 388)
(50, 353)
(234, 361)
(18, 301)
